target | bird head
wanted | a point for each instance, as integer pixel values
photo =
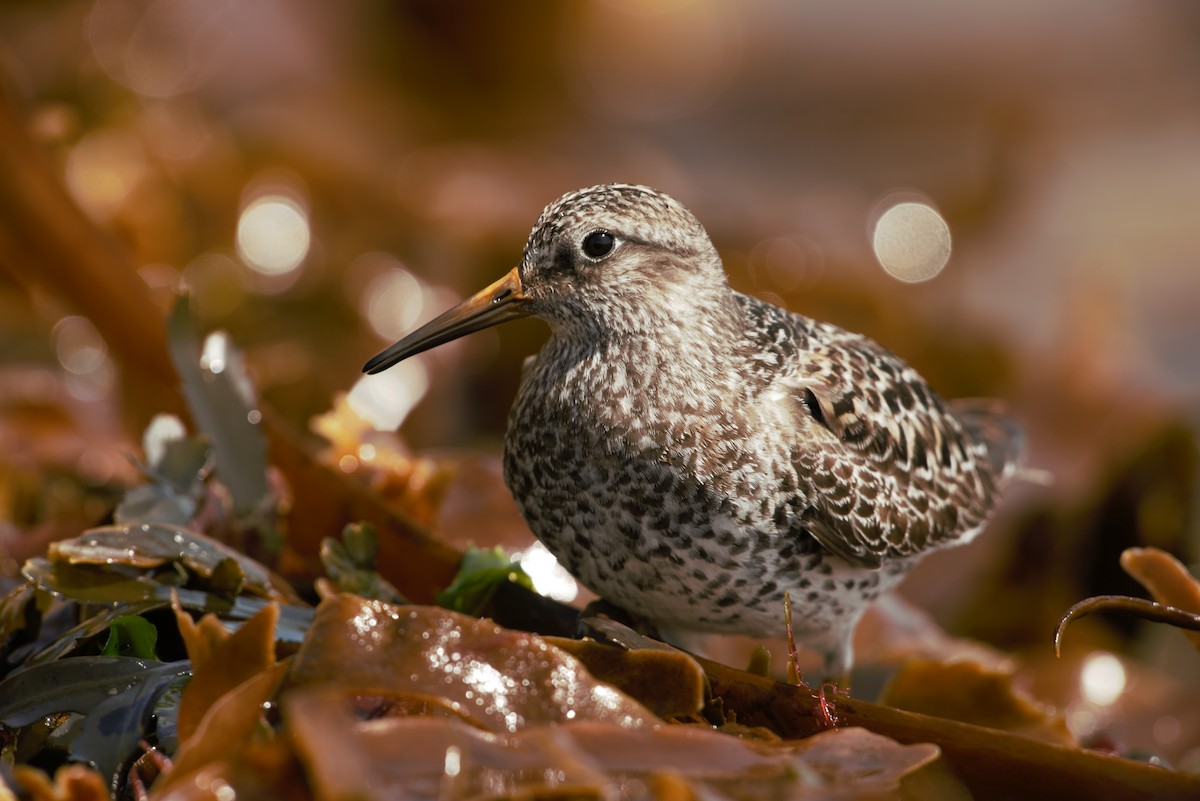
(610, 258)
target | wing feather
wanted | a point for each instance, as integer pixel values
(898, 470)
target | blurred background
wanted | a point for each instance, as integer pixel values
(326, 176)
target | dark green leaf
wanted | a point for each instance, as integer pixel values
(290, 629)
(110, 731)
(184, 463)
(20, 620)
(166, 715)
(131, 635)
(361, 541)
(222, 412)
(480, 573)
(93, 626)
(227, 579)
(175, 488)
(70, 685)
(150, 545)
(157, 503)
(93, 584)
(350, 564)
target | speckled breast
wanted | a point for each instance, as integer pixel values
(641, 530)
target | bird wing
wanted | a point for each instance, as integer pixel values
(890, 469)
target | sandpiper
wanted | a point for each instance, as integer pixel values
(691, 453)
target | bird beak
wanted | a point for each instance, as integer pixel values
(502, 301)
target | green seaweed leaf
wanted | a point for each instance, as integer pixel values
(110, 730)
(131, 635)
(350, 564)
(220, 404)
(74, 685)
(152, 545)
(481, 572)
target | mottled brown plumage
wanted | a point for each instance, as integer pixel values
(691, 453)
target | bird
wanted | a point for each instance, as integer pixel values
(691, 453)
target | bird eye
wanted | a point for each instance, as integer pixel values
(598, 244)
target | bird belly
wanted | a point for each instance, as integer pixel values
(673, 548)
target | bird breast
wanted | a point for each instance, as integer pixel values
(690, 412)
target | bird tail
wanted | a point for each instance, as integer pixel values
(987, 421)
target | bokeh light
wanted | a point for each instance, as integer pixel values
(393, 302)
(273, 235)
(453, 762)
(784, 264)
(1167, 729)
(84, 355)
(128, 36)
(911, 241)
(549, 577)
(1102, 678)
(103, 169)
(78, 345)
(385, 399)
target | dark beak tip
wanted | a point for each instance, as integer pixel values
(374, 366)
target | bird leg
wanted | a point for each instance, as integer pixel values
(826, 714)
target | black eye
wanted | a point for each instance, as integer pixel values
(598, 244)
